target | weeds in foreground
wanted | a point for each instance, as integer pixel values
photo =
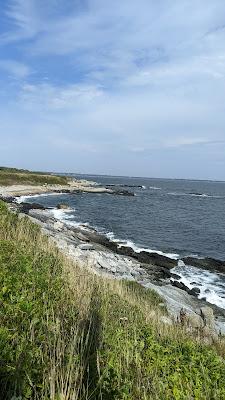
(67, 334)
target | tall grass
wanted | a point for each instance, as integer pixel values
(67, 334)
(12, 176)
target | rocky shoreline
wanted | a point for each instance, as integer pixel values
(103, 256)
(73, 187)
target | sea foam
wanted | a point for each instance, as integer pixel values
(210, 284)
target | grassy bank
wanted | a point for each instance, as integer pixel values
(66, 333)
(13, 176)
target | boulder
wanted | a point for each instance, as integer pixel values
(26, 207)
(179, 285)
(209, 335)
(63, 206)
(126, 251)
(203, 323)
(166, 320)
(195, 321)
(175, 276)
(195, 291)
(207, 316)
(58, 225)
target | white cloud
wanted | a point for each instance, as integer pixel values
(47, 96)
(187, 141)
(130, 77)
(18, 69)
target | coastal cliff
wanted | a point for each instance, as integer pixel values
(69, 333)
(84, 318)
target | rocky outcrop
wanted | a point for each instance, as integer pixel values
(156, 259)
(207, 316)
(63, 206)
(193, 292)
(8, 199)
(121, 192)
(157, 274)
(26, 207)
(124, 185)
(202, 323)
(205, 263)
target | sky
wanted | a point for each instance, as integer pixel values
(123, 87)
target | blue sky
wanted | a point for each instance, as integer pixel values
(123, 87)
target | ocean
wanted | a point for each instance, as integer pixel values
(173, 217)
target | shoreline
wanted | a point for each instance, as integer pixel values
(73, 187)
(88, 248)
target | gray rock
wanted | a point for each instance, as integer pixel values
(41, 215)
(63, 206)
(86, 247)
(82, 237)
(208, 317)
(58, 225)
(206, 263)
(194, 291)
(195, 321)
(166, 320)
(26, 207)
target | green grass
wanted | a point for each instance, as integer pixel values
(13, 176)
(67, 334)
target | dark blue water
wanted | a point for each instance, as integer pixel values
(174, 216)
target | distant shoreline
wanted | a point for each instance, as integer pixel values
(139, 177)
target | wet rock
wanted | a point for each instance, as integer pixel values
(122, 192)
(26, 207)
(65, 191)
(124, 185)
(126, 251)
(63, 206)
(156, 273)
(175, 276)
(179, 285)
(194, 291)
(196, 283)
(8, 199)
(206, 263)
(156, 259)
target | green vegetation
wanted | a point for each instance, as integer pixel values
(67, 334)
(14, 176)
